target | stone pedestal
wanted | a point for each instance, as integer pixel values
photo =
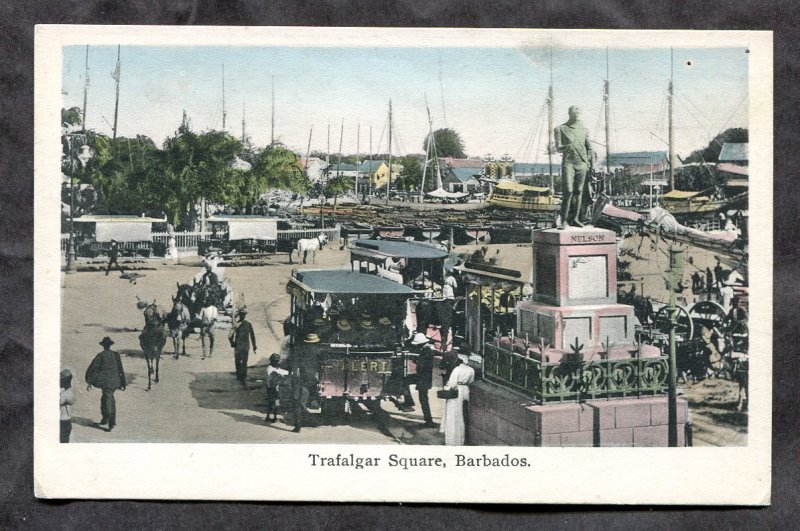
(575, 315)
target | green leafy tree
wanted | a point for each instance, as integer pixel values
(71, 117)
(279, 167)
(336, 186)
(448, 143)
(411, 175)
(711, 152)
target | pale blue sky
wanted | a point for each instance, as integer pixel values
(492, 96)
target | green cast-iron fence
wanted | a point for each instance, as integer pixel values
(575, 380)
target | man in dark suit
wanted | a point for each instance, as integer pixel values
(424, 376)
(425, 380)
(243, 336)
(106, 373)
(113, 254)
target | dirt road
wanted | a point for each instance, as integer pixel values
(200, 401)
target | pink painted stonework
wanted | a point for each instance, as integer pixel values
(574, 308)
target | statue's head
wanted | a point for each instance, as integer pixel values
(574, 113)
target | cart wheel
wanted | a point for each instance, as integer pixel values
(707, 313)
(683, 327)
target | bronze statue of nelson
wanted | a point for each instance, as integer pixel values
(572, 141)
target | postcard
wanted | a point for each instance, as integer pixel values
(403, 265)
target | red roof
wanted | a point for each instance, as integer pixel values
(732, 168)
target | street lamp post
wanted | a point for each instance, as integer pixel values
(83, 157)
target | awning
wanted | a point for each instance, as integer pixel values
(341, 281)
(398, 249)
(521, 188)
(681, 194)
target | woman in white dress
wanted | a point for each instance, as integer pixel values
(454, 425)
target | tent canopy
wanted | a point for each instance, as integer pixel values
(441, 193)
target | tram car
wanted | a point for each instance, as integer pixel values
(417, 265)
(345, 337)
(432, 309)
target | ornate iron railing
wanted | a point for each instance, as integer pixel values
(571, 381)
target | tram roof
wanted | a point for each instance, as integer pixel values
(400, 249)
(344, 281)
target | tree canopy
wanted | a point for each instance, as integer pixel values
(448, 143)
(134, 175)
(711, 152)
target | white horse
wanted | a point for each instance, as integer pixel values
(307, 245)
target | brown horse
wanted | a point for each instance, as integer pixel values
(153, 338)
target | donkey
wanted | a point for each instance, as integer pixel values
(152, 339)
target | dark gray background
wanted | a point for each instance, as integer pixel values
(18, 507)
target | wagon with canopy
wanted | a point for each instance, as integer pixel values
(346, 332)
(134, 235)
(242, 235)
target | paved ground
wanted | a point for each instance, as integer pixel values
(200, 401)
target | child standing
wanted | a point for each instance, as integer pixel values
(275, 377)
(66, 400)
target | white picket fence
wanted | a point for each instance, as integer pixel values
(188, 241)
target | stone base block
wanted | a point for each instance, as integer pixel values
(500, 417)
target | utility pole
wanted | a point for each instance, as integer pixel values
(116, 76)
(389, 182)
(550, 124)
(85, 89)
(607, 102)
(670, 97)
(676, 274)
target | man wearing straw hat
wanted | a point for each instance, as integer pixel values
(242, 337)
(344, 331)
(106, 373)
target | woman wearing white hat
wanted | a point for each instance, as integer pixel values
(456, 410)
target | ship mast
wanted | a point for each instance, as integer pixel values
(244, 125)
(85, 90)
(224, 113)
(116, 76)
(358, 151)
(670, 97)
(389, 181)
(308, 150)
(427, 152)
(272, 122)
(550, 123)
